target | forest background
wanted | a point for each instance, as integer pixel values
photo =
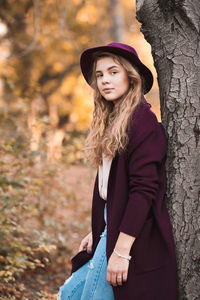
(45, 112)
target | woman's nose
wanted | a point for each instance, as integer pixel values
(105, 79)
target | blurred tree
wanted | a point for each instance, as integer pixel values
(172, 28)
(44, 43)
(42, 84)
(117, 25)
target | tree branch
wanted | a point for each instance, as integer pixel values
(32, 46)
(58, 77)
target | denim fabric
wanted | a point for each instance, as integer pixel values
(89, 282)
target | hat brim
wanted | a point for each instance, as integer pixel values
(86, 63)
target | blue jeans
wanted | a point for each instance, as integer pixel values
(89, 282)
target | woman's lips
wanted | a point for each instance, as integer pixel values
(107, 91)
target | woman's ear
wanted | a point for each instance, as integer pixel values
(131, 81)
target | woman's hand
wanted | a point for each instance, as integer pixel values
(117, 270)
(86, 243)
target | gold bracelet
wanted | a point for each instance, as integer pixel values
(126, 257)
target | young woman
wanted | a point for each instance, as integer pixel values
(129, 255)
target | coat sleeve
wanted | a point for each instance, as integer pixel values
(146, 150)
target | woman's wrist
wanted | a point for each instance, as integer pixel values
(123, 250)
(124, 243)
(127, 257)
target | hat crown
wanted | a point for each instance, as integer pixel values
(123, 46)
(124, 50)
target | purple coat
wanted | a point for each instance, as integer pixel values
(135, 206)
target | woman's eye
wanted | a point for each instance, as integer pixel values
(114, 72)
(98, 75)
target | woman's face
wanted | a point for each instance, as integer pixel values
(112, 79)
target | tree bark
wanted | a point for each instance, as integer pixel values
(172, 28)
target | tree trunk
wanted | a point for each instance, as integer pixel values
(55, 135)
(34, 126)
(54, 141)
(117, 21)
(172, 28)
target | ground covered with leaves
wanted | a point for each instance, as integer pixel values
(45, 211)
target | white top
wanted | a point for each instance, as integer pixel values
(104, 171)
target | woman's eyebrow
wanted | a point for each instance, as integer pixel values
(112, 67)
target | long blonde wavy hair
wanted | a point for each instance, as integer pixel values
(108, 130)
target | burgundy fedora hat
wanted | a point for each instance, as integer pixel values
(126, 51)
